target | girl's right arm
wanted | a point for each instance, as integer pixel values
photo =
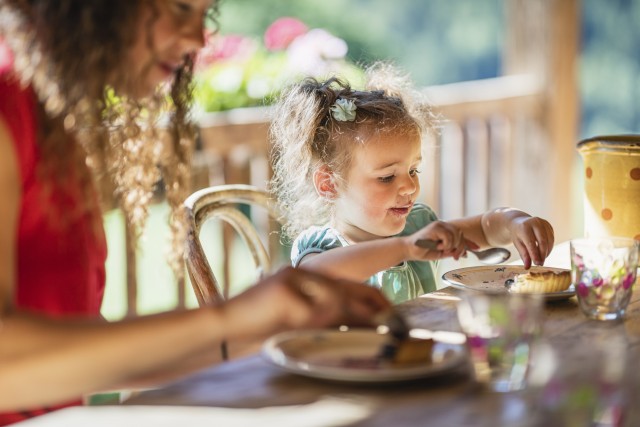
(45, 361)
(362, 260)
(359, 261)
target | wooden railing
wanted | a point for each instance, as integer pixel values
(471, 164)
(473, 160)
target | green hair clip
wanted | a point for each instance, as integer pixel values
(344, 110)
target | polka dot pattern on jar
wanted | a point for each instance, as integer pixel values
(611, 178)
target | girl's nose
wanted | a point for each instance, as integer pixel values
(408, 186)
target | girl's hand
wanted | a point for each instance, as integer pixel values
(533, 238)
(451, 242)
(296, 298)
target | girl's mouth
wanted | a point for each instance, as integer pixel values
(400, 211)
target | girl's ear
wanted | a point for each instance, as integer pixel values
(324, 183)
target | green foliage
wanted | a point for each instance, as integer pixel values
(224, 86)
(610, 67)
(437, 41)
(239, 70)
(444, 41)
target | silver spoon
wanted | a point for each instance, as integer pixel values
(486, 256)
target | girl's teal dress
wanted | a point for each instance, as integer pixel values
(400, 283)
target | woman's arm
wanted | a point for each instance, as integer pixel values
(43, 361)
(76, 357)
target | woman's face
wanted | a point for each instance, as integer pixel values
(168, 31)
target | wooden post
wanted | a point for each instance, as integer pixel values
(543, 39)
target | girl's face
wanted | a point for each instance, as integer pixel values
(380, 188)
(168, 30)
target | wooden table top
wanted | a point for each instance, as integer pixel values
(591, 372)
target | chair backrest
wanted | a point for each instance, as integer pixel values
(223, 202)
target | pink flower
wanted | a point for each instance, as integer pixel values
(282, 32)
(315, 52)
(219, 47)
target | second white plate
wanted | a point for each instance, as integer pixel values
(350, 356)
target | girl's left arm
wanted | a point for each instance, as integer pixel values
(533, 237)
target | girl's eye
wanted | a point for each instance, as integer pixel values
(386, 178)
(414, 172)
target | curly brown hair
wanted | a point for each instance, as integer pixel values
(306, 136)
(73, 54)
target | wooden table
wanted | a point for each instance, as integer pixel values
(590, 366)
(583, 376)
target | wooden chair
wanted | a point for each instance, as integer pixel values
(224, 203)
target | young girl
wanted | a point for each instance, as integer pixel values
(60, 130)
(346, 177)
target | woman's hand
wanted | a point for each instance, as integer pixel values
(296, 298)
(451, 242)
(533, 238)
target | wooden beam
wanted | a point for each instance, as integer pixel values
(543, 39)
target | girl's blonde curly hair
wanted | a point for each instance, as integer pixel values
(306, 136)
(68, 50)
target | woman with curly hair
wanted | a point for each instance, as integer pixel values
(80, 100)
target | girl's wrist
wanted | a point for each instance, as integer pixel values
(497, 225)
(408, 247)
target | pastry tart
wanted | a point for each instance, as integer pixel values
(413, 351)
(541, 282)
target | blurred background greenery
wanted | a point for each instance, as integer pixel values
(438, 42)
(445, 41)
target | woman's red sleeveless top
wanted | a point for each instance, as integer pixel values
(60, 264)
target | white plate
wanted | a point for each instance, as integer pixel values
(492, 278)
(350, 356)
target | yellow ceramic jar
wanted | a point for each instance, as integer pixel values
(612, 185)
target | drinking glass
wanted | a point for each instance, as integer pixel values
(603, 271)
(501, 329)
